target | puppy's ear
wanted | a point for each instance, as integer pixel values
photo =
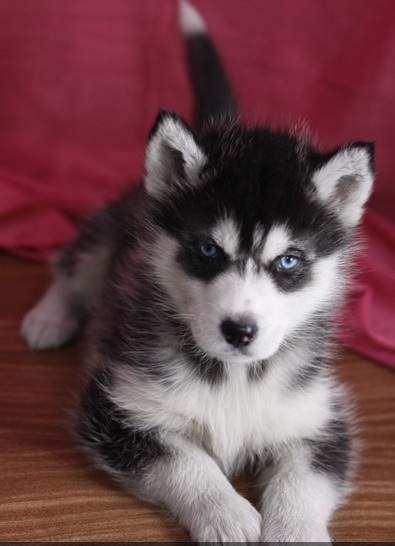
(173, 157)
(344, 179)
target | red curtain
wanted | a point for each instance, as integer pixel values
(82, 80)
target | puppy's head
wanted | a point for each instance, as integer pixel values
(252, 230)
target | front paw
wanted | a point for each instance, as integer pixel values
(299, 532)
(234, 520)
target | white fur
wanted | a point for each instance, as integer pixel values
(345, 182)
(276, 243)
(237, 419)
(191, 22)
(226, 234)
(171, 134)
(195, 490)
(257, 238)
(324, 290)
(297, 502)
(216, 431)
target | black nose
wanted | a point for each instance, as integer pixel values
(239, 333)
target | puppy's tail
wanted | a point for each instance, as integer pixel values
(213, 95)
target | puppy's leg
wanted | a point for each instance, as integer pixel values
(191, 485)
(77, 277)
(166, 469)
(305, 485)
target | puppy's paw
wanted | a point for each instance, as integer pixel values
(299, 532)
(234, 520)
(50, 324)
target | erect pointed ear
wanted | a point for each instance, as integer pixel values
(173, 157)
(344, 180)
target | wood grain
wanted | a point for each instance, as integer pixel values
(50, 492)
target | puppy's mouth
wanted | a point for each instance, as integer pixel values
(232, 355)
(234, 352)
(236, 356)
(244, 355)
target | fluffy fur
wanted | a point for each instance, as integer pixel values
(213, 287)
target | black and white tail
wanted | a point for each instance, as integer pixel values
(212, 92)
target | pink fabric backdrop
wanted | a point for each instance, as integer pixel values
(82, 80)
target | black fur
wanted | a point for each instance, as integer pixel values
(303, 377)
(259, 177)
(207, 368)
(257, 371)
(107, 431)
(331, 452)
(197, 265)
(110, 227)
(209, 83)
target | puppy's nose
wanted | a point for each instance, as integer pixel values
(239, 333)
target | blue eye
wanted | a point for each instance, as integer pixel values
(287, 262)
(208, 250)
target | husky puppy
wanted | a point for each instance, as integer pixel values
(213, 286)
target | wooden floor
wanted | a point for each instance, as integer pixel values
(50, 492)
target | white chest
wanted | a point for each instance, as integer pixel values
(231, 420)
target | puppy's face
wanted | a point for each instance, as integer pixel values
(242, 305)
(251, 231)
